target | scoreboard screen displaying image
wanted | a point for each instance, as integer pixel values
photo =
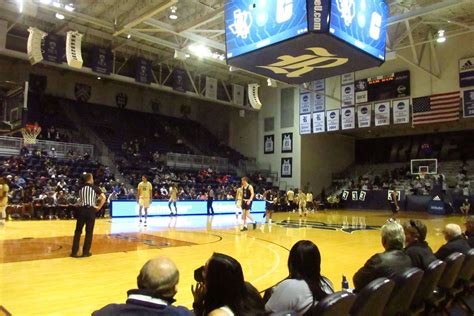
(361, 23)
(253, 24)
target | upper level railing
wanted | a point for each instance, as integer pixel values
(185, 161)
(12, 146)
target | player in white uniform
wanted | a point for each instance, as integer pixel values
(4, 189)
(144, 196)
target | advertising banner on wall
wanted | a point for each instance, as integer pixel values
(318, 122)
(466, 72)
(401, 111)
(332, 120)
(468, 105)
(348, 118)
(364, 115)
(382, 113)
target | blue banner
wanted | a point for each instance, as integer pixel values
(468, 105)
(53, 48)
(129, 208)
(143, 71)
(102, 60)
(179, 80)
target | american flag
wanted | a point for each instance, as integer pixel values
(436, 108)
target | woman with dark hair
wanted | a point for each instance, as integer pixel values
(224, 291)
(305, 286)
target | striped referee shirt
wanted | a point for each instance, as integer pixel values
(88, 195)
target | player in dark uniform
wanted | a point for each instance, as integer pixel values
(270, 203)
(394, 200)
(248, 194)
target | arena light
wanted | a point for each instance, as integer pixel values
(200, 50)
(99, 78)
(129, 36)
(20, 5)
(69, 7)
(173, 15)
(47, 2)
(56, 4)
(441, 38)
(59, 16)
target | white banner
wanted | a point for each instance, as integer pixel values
(305, 103)
(332, 120)
(361, 92)
(211, 88)
(347, 95)
(318, 84)
(238, 94)
(401, 111)
(318, 122)
(347, 78)
(305, 124)
(382, 113)
(364, 115)
(348, 119)
(319, 101)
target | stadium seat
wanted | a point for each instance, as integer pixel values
(338, 303)
(465, 274)
(372, 299)
(427, 286)
(406, 284)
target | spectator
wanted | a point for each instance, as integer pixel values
(305, 286)
(465, 207)
(157, 285)
(224, 291)
(388, 263)
(455, 242)
(417, 248)
(470, 231)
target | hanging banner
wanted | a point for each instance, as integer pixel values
(53, 48)
(348, 118)
(401, 111)
(347, 78)
(305, 103)
(364, 115)
(361, 91)
(319, 101)
(382, 113)
(468, 106)
(466, 72)
(143, 71)
(121, 100)
(286, 167)
(347, 95)
(318, 122)
(332, 120)
(211, 88)
(238, 94)
(269, 144)
(319, 84)
(178, 80)
(305, 124)
(101, 60)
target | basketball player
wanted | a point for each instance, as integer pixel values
(173, 199)
(309, 202)
(302, 204)
(238, 202)
(4, 189)
(144, 196)
(247, 197)
(270, 202)
(394, 201)
(290, 196)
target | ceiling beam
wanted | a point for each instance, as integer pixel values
(207, 18)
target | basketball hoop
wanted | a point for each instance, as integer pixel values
(30, 133)
(422, 175)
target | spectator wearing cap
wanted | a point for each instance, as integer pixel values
(455, 242)
(417, 248)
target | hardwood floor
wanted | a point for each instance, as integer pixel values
(38, 277)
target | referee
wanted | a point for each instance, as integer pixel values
(88, 195)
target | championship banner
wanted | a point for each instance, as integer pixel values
(82, 92)
(121, 100)
(332, 120)
(287, 142)
(468, 106)
(286, 167)
(53, 48)
(347, 95)
(305, 103)
(211, 88)
(364, 115)
(101, 60)
(401, 111)
(319, 101)
(347, 78)
(178, 80)
(143, 71)
(466, 72)
(305, 124)
(319, 84)
(269, 144)
(348, 119)
(238, 94)
(361, 91)
(318, 122)
(382, 113)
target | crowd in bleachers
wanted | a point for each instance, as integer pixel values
(406, 279)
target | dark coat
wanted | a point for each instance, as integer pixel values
(457, 244)
(420, 254)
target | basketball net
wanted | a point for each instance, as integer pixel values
(30, 133)
(422, 175)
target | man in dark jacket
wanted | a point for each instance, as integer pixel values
(386, 264)
(417, 248)
(470, 231)
(157, 285)
(455, 242)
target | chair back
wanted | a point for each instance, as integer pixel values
(429, 282)
(467, 269)
(450, 275)
(406, 284)
(338, 303)
(372, 298)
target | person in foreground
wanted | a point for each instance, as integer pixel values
(224, 292)
(304, 287)
(455, 242)
(157, 285)
(417, 248)
(388, 263)
(470, 231)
